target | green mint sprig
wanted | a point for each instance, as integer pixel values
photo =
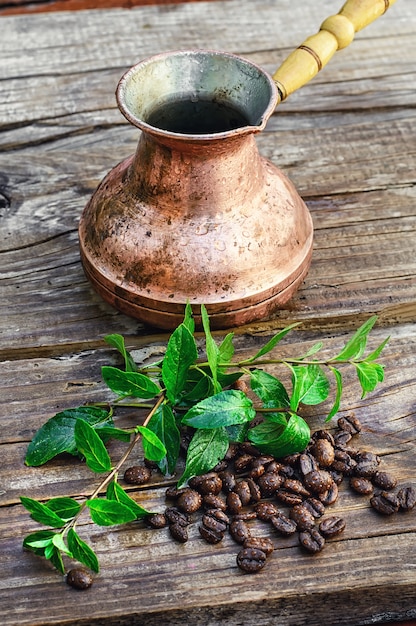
(185, 392)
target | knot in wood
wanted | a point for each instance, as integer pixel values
(342, 29)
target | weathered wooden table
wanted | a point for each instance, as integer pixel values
(347, 140)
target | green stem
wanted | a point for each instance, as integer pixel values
(117, 467)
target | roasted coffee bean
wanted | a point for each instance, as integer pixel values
(228, 481)
(240, 385)
(273, 467)
(220, 467)
(219, 515)
(231, 452)
(384, 480)
(211, 522)
(211, 535)
(175, 516)
(350, 423)
(246, 515)
(137, 475)
(329, 496)
(243, 463)
(307, 463)
(266, 510)
(211, 501)
(210, 483)
(291, 459)
(314, 506)
(323, 451)
(287, 471)
(260, 543)
(343, 462)
(302, 516)
(341, 438)
(288, 497)
(323, 434)
(255, 492)
(157, 520)
(283, 524)
(311, 540)
(251, 560)
(172, 492)
(239, 530)
(296, 486)
(79, 578)
(385, 503)
(263, 461)
(407, 498)
(366, 455)
(256, 472)
(242, 489)
(318, 481)
(189, 501)
(361, 485)
(247, 448)
(234, 503)
(337, 477)
(331, 526)
(179, 532)
(269, 483)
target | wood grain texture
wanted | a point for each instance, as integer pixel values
(347, 141)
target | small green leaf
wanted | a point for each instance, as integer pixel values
(108, 432)
(269, 389)
(131, 384)
(198, 386)
(205, 450)
(109, 512)
(81, 551)
(117, 341)
(57, 434)
(272, 343)
(355, 347)
(376, 353)
(58, 542)
(181, 353)
(335, 408)
(224, 409)
(38, 541)
(91, 447)
(41, 513)
(116, 492)
(226, 349)
(313, 350)
(153, 448)
(188, 319)
(279, 440)
(369, 375)
(211, 348)
(53, 554)
(310, 385)
(163, 424)
(65, 508)
(237, 432)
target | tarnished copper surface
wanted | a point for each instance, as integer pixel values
(195, 217)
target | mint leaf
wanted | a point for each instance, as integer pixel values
(153, 448)
(188, 319)
(108, 432)
(116, 492)
(224, 409)
(272, 343)
(369, 375)
(376, 353)
(205, 450)
(109, 512)
(269, 389)
(65, 508)
(226, 349)
(53, 554)
(131, 384)
(91, 447)
(57, 434)
(163, 424)
(199, 385)
(310, 385)
(278, 440)
(81, 551)
(58, 542)
(38, 541)
(181, 353)
(117, 341)
(355, 347)
(211, 349)
(41, 513)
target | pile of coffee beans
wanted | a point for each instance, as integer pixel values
(291, 494)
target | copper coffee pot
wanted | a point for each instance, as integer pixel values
(196, 214)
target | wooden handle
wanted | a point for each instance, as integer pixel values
(336, 32)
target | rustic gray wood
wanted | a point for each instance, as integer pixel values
(347, 140)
